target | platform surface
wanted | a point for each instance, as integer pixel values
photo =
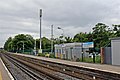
(101, 67)
(3, 72)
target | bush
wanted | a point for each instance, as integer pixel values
(90, 60)
(77, 60)
(2, 51)
(52, 56)
(98, 59)
(26, 53)
(41, 54)
(46, 54)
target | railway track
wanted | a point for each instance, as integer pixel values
(36, 72)
(59, 71)
(78, 72)
(25, 69)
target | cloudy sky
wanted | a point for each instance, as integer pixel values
(74, 16)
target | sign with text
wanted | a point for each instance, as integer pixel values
(88, 45)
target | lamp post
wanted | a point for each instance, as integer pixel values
(40, 30)
(51, 38)
(62, 30)
(62, 33)
(63, 41)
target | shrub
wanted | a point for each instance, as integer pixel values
(90, 60)
(41, 54)
(52, 56)
(77, 60)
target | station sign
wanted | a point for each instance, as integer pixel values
(88, 45)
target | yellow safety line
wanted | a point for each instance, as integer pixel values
(0, 76)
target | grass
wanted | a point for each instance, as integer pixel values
(90, 60)
(2, 51)
(44, 55)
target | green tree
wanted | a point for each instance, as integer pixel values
(59, 40)
(90, 37)
(46, 44)
(116, 30)
(101, 34)
(68, 40)
(21, 39)
(81, 37)
(10, 46)
(7, 44)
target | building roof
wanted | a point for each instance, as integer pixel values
(116, 38)
(68, 44)
(77, 44)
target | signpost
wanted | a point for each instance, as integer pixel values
(86, 45)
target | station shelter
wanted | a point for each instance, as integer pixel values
(72, 51)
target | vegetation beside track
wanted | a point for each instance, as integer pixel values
(90, 60)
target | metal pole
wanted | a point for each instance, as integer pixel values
(40, 28)
(35, 46)
(62, 33)
(11, 47)
(63, 36)
(51, 38)
(82, 51)
(71, 53)
(23, 46)
(93, 57)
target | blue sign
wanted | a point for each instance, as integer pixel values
(88, 45)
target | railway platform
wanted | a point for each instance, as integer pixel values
(78, 70)
(4, 73)
(99, 67)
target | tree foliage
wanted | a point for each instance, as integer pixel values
(17, 42)
(100, 36)
(117, 30)
(68, 40)
(81, 37)
(7, 44)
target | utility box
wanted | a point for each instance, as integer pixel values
(115, 45)
(106, 55)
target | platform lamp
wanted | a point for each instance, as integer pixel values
(62, 30)
(62, 33)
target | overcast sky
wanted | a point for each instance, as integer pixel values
(74, 16)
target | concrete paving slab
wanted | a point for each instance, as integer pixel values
(4, 73)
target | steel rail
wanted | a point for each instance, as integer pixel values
(47, 75)
(78, 72)
(25, 70)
